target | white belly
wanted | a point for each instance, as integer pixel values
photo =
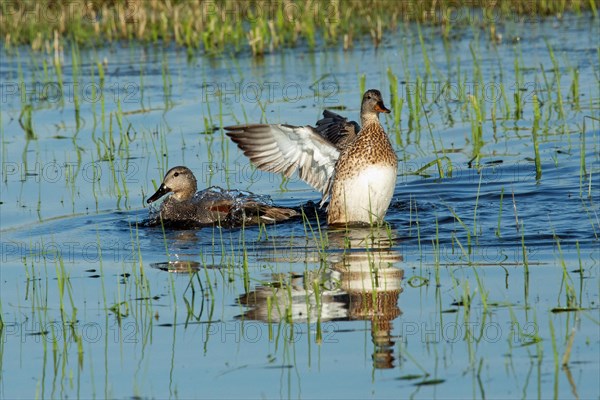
(367, 195)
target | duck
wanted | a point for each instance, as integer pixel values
(352, 165)
(185, 207)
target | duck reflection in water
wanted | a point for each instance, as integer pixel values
(363, 283)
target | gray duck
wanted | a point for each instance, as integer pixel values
(185, 207)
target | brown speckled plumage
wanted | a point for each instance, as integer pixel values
(357, 170)
(371, 148)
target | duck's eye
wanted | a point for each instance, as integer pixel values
(176, 174)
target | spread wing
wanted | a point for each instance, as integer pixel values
(286, 149)
(337, 129)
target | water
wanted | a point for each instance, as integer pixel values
(480, 276)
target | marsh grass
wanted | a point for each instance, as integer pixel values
(468, 251)
(362, 83)
(498, 233)
(583, 170)
(76, 65)
(438, 160)
(476, 118)
(192, 292)
(261, 26)
(518, 88)
(571, 301)
(574, 91)
(26, 122)
(166, 81)
(436, 253)
(319, 236)
(558, 105)
(397, 102)
(534, 134)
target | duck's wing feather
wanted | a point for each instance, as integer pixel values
(337, 129)
(286, 149)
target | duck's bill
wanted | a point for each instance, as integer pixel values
(162, 190)
(381, 108)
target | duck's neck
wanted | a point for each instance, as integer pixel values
(185, 194)
(369, 118)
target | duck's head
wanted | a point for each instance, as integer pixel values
(180, 181)
(372, 105)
